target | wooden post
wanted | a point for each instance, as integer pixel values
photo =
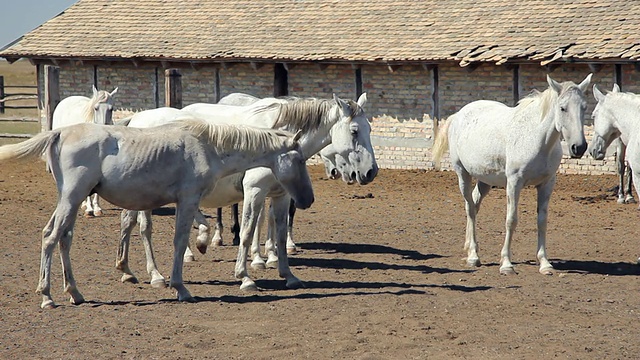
(51, 93)
(1, 94)
(280, 81)
(173, 88)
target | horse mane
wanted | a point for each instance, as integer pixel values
(225, 137)
(101, 97)
(307, 114)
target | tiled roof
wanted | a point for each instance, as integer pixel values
(335, 30)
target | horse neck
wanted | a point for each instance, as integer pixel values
(545, 128)
(625, 114)
(317, 139)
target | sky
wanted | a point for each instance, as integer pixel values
(18, 17)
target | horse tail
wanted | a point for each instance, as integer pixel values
(34, 147)
(441, 142)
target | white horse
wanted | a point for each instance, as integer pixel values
(616, 117)
(144, 169)
(513, 147)
(327, 155)
(79, 109)
(343, 123)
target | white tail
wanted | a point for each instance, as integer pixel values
(441, 142)
(34, 147)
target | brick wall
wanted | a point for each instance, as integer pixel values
(400, 99)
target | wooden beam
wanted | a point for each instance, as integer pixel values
(356, 66)
(227, 65)
(136, 62)
(595, 68)
(173, 88)
(195, 65)
(256, 65)
(322, 66)
(429, 67)
(165, 64)
(393, 68)
(288, 66)
(472, 66)
(550, 67)
(636, 66)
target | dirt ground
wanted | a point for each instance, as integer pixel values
(385, 279)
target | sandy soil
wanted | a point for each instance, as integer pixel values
(385, 279)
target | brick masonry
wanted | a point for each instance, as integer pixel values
(400, 99)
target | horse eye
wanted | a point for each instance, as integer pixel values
(354, 132)
(563, 109)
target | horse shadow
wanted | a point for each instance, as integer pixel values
(597, 267)
(366, 248)
(344, 264)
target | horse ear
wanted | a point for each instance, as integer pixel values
(344, 106)
(95, 91)
(616, 88)
(114, 91)
(362, 100)
(554, 84)
(297, 136)
(597, 93)
(585, 83)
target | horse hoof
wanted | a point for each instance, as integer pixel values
(508, 271)
(97, 213)
(248, 285)
(77, 300)
(630, 201)
(257, 265)
(88, 215)
(292, 250)
(272, 264)
(216, 241)
(548, 270)
(159, 284)
(189, 258)
(621, 201)
(126, 278)
(47, 305)
(473, 262)
(202, 248)
(294, 284)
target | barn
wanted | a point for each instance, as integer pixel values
(418, 61)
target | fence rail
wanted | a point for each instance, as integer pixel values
(17, 96)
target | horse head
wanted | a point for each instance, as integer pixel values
(351, 141)
(569, 111)
(604, 130)
(102, 106)
(290, 170)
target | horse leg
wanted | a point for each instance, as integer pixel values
(88, 207)
(68, 281)
(620, 164)
(280, 206)
(185, 214)
(216, 240)
(202, 240)
(470, 244)
(270, 247)
(60, 223)
(629, 199)
(291, 246)
(257, 260)
(144, 219)
(235, 228)
(253, 202)
(513, 196)
(544, 194)
(128, 220)
(97, 210)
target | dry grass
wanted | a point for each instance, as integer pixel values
(19, 73)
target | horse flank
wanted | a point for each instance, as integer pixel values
(236, 137)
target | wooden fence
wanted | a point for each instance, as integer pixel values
(22, 92)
